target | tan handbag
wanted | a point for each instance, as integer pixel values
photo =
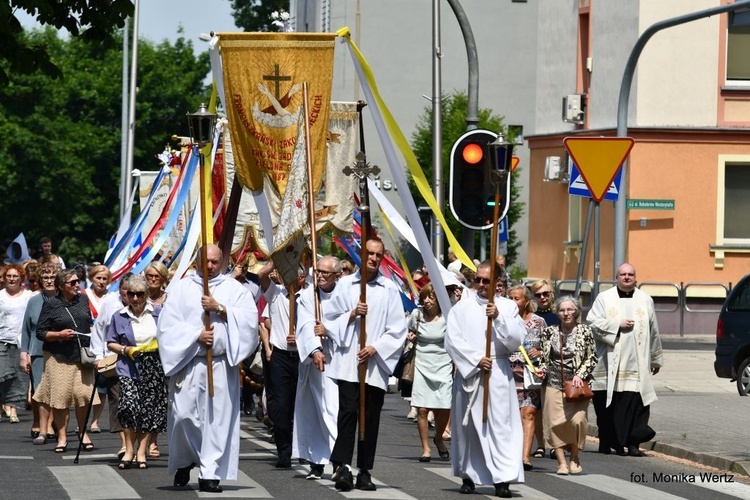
(573, 394)
(108, 365)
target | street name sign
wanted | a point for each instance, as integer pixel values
(598, 160)
(650, 204)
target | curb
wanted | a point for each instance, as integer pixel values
(716, 461)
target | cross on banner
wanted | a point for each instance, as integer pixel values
(277, 78)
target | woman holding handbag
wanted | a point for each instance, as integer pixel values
(568, 358)
(433, 372)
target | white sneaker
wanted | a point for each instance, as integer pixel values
(412, 415)
(431, 419)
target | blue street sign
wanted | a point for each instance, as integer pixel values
(502, 230)
(577, 186)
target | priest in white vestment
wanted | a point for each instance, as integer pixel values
(490, 452)
(629, 350)
(385, 336)
(317, 403)
(203, 431)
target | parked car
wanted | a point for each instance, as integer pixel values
(733, 337)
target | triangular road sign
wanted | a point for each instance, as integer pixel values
(598, 160)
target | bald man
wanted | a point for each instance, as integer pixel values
(204, 431)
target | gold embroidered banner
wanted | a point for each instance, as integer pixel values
(263, 76)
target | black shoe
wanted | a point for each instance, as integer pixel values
(467, 487)
(603, 448)
(623, 452)
(182, 476)
(284, 463)
(364, 482)
(502, 490)
(316, 472)
(345, 481)
(634, 451)
(209, 485)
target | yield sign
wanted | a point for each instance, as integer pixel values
(598, 160)
(514, 163)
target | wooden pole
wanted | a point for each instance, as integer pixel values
(204, 270)
(364, 211)
(311, 204)
(491, 300)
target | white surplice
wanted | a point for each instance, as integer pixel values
(385, 329)
(316, 406)
(491, 452)
(201, 429)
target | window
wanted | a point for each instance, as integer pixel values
(738, 46)
(736, 202)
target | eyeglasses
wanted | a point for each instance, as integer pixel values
(484, 281)
(567, 311)
(539, 295)
(140, 295)
(153, 276)
(324, 273)
(73, 282)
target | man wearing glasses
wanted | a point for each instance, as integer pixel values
(204, 430)
(629, 350)
(501, 436)
(317, 403)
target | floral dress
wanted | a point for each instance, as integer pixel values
(528, 397)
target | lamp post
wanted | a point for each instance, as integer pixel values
(201, 125)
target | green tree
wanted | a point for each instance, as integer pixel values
(91, 20)
(453, 110)
(255, 15)
(60, 153)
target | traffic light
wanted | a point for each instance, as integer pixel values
(472, 180)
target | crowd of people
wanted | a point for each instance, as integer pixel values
(490, 376)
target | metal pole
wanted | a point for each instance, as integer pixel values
(597, 242)
(584, 249)
(437, 133)
(128, 186)
(124, 122)
(472, 107)
(620, 242)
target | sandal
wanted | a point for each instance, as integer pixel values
(34, 434)
(142, 465)
(153, 451)
(39, 440)
(61, 448)
(95, 430)
(527, 466)
(425, 458)
(124, 464)
(444, 453)
(539, 453)
(88, 446)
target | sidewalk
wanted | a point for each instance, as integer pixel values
(698, 416)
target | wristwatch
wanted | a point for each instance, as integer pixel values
(219, 309)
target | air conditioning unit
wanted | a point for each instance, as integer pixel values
(554, 170)
(573, 109)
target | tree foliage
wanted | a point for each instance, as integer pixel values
(255, 15)
(91, 20)
(60, 153)
(453, 108)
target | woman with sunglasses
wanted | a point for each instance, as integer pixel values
(143, 388)
(64, 326)
(545, 299)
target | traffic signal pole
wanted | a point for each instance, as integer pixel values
(437, 134)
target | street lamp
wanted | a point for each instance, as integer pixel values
(201, 125)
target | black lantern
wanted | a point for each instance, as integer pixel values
(501, 156)
(201, 125)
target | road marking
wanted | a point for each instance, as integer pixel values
(489, 491)
(243, 487)
(11, 457)
(93, 482)
(88, 456)
(257, 454)
(617, 487)
(736, 490)
(384, 492)
(257, 440)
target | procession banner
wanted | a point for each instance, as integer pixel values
(263, 75)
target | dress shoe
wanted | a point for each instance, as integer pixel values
(284, 463)
(467, 487)
(634, 451)
(182, 476)
(604, 448)
(502, 490)
(345, 480)
(209, 485)
(623, 452)
(364, 482)
(316, 472)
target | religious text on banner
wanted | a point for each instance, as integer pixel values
(263, 76)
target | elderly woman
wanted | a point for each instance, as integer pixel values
(529, 400)
(32, 354)
(433, 371)
(568, 353)
(157, 276)
(14, 382)
(99, 276)
(143, 388)
(64, 326)
(545, 298)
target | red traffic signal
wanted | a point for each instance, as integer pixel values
(472, 153)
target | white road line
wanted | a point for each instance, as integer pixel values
(617, 487)
(489, 491)
(243, 487)
(93, 482)
(257, 454)
(12, 457)
(384, 492)
(736, 490)
(263, 443)
(87, 455)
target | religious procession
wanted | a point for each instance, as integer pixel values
(254, 282)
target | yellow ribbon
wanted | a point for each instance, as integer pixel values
(528, 360)
(401, 259)
(403, 145)
(150, 347)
